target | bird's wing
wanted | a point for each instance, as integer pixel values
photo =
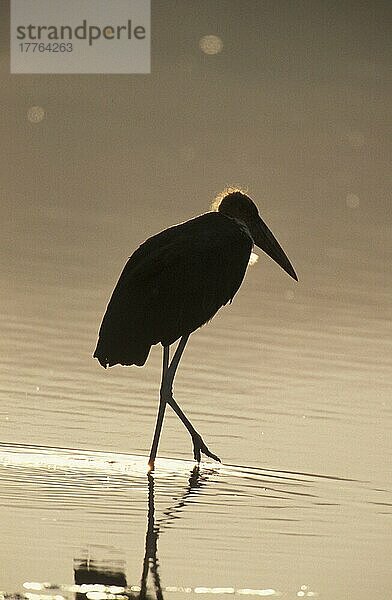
(176, 281)
(212, 237)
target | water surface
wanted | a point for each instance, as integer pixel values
(224, 529)
(290, 385)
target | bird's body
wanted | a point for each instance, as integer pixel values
(174, 283)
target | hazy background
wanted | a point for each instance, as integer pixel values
(296, 108)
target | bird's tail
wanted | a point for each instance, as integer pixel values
(121, 351)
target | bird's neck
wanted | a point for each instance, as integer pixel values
(243, 226)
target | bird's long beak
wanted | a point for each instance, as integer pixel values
(266, 241)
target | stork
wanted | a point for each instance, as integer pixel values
(174, 283)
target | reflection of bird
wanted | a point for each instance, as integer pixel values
(109, 573)
(174, 283)
(150, 562)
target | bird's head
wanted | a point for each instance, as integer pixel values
(237, 205)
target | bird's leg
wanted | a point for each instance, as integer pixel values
(198, 443)
(167, 392)
(161, 412)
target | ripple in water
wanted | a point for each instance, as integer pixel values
(81, 496)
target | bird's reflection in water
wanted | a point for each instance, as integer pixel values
(150, 561)
(106, 576)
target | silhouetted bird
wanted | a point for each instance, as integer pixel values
(174, 283)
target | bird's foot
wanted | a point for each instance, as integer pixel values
(199, 447)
